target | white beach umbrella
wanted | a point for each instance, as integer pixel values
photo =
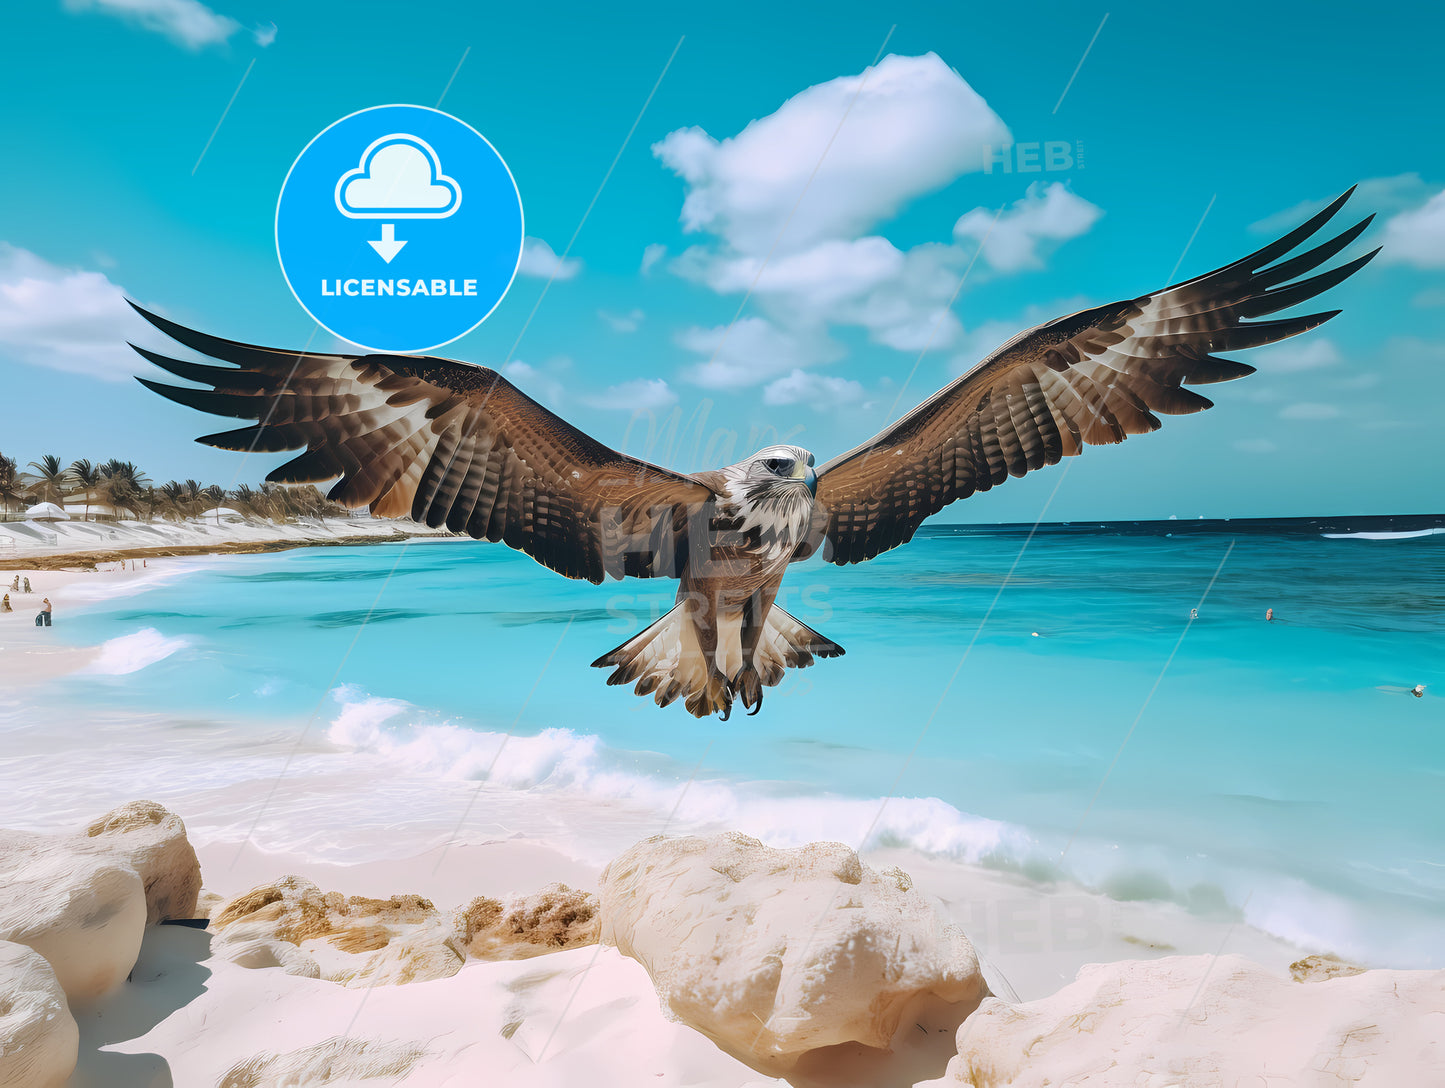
(46, 511)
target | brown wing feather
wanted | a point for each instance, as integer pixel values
(444, 443)
(1091, 378)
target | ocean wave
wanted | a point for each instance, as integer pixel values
(1403, 534)
(562, 760)
(131, 653)
(562, 770)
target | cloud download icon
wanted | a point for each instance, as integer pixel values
(400, 177)
(387, 164)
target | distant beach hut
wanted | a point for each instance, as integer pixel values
(46, 511)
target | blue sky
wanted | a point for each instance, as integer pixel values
(1247, 111)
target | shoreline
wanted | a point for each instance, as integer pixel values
(88, 559)
(84, 544)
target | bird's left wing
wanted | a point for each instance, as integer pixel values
(1092, 378)
(444, 443)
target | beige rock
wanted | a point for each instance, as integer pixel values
(1187, 1020)
(154, 841)
(789, 959)
(1316, 968)
(550, 920)
(353, 940)
(84, 910)
(39, 1041)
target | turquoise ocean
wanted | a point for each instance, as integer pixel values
(1041, 702)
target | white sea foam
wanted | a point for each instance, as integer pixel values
(1404, 534)
(603, 796)
(564, 761)
(131, 653)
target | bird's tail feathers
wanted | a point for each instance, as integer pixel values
(666, 662)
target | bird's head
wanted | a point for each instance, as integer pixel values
(788, 465)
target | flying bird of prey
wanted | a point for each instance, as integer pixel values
(454, 444)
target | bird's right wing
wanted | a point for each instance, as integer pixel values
(444, 443)
(1091, 378)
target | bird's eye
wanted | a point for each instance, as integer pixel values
(774, 464)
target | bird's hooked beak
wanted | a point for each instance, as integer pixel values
(807, 475)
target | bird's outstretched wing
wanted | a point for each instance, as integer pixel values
(445, 443)
(1092, 378)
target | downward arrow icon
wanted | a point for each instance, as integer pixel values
(387, 247)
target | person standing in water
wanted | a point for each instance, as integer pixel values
(1269, 615)
(5, 604)
(45, 612)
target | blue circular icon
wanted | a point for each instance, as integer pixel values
(399, 228)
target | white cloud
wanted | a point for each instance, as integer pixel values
(651, 255)
(537, 384)
(642, 395)
(1417, 237)
(752, 352)
(1293, 356)
(828, 273)
(539, 259)
(264, 35)
(899, 296)
(185, 22)
(1310, 411)
(916, 126)
(1012, 239)
(912, 126)
(819, 391)
(1255, 445)
(628, 322)
(67, 319)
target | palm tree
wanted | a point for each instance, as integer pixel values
(148, 499)
(12, 487)
(86, 477)
(125, 486)
(173, 498)
(50, 479)
(244, 497)
(214, 496)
